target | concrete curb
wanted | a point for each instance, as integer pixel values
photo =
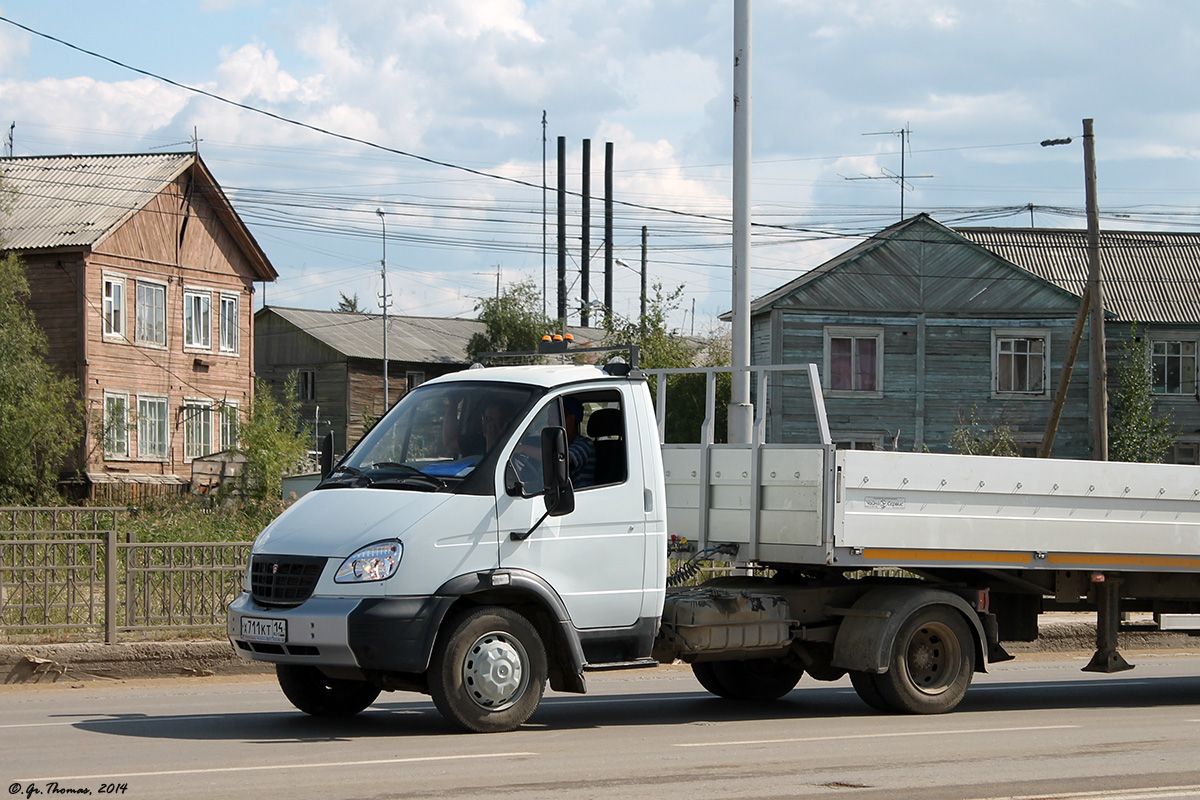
(49, 663)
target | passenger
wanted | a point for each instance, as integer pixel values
(580, 449)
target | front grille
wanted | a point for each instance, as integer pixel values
(284, 580)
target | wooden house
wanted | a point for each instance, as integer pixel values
(142, 277)
(921, 329)
(337, 358)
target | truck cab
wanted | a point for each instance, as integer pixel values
(438, 554)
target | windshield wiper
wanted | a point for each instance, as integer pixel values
(410, 472)
(355, 471)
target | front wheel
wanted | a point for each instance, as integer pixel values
(756, 679)
(488, 671)
(932, 663)
(313, 693)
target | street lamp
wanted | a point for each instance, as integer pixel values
(384, 302)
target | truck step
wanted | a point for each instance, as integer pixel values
(1179, 622)
(641, 663)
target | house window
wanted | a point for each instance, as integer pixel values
(854, 360)
(197, 320)
(150, 314)
(229, 427)
(197, 429)
(228, 339)
(414, 379)
(306, 385)
(116, 425)
(1184, 452)
(1020, 362)
(1173, 367)
(113, 307)
(152, 427)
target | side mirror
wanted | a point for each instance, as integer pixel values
(325, 457)
(560, 494)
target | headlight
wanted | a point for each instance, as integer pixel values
(375, 562)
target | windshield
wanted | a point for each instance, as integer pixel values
(435, 437)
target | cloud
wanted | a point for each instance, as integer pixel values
(141, 106)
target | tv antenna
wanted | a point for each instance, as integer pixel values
(902, 180)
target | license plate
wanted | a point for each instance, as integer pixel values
(264, 630)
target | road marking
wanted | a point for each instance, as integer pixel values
(1108, 794)
(266, 767)
(896, 735)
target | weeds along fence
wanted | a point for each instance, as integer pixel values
(72, 574)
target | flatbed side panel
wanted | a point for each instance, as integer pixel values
(1005, 512)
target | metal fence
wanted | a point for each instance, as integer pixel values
(71, 572)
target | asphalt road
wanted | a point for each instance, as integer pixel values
(1035, 728)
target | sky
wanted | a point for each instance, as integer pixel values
(446, 100)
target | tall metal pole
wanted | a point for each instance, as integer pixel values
(562, 230)
(585, 235)
(741, 414)
(1099, 359)
(644, 268)
(384, 300)
(608, 231)
(543, 213)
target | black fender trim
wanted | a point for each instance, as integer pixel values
(396, 634)
(868, 631)
(498, 587)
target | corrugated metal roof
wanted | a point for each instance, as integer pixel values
(74, 201)
(425, 340)
(1149, 277)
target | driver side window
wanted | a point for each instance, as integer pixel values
(527, 456)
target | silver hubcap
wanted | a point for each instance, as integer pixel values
(933, 658)
(494, 671)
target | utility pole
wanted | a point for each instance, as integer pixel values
(608, 232)
(562, 229)
(644, 267)
(741, 413)
(543, 213)
(586, 234)
(384, 301)
(1099, 356)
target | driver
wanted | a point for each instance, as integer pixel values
(497, 413)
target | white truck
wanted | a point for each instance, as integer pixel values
(468, 563)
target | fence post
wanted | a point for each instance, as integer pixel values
(130, 601)
(110, 586)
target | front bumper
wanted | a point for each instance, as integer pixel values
(394, 634)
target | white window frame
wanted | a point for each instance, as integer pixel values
(228, 344)
(1185, 389)
(112, 307)
(139, 326)
(197, 411)
(116, 447)
(227, 412)
(144, 420)
(191, 328)
(852, 332)
(1008, 334)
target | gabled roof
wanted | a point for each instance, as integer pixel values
(78, 201)
(422, 340)
(1149, 277)
(907, 265)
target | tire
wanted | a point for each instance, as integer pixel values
(868, 691)
(931, 665)
(313, 693)
(488, 671)
(757, 679)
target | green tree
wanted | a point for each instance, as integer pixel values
(348, 304)
(272, 439)
(1136, 433)
(663, 347)
(513, 321)
(975, 438)
(40, 414)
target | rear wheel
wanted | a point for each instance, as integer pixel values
(488, 671)
(932, 663)
(756, 679)
(313, 693)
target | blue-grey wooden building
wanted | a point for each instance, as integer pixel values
(921, 328)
